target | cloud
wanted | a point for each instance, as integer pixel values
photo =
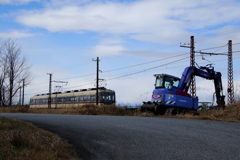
(107, 50)
(15, 34)
(60, 3)
(145, 20)
(17, 2)
(111, 41)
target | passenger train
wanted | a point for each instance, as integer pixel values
(74, 98)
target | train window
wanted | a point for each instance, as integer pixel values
(63, 99)
(88, 98)
(106, 97)
(68, 99)
(73, 99)
(92, 98)
(59, 100)
(80, 98)
(84, 98)
(45, 100)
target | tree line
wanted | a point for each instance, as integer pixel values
(14, 69)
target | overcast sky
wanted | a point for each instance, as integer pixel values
(130, 37)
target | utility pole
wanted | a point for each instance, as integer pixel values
(58, 88)
(192, 64)
(230, 74)
(0, 94)
(97, 79)
(23, 92)
(20, 96)
(50, 90)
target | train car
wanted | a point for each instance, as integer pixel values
(74, 98)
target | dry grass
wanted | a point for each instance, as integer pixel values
(20, 140)
(230, 114)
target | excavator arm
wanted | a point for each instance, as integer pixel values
(204, 72)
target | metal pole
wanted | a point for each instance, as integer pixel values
(23, 92)
(192, 63)
(50, 90)
(97, 81)
(230, 74)
(20, 96)
(0, 97)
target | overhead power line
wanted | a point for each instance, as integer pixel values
(144, 63)
(136, 72)
(93, 82)
(91, 74)
(218, 47)
(213, 48)
(127, 66)
(146, 69)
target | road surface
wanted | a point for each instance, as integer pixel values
(141, 138)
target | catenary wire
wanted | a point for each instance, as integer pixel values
(129, 74)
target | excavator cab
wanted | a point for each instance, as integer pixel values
(166, 81)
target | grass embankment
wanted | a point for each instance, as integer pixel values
(23, 141)
(231, 113)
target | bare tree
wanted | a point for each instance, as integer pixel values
(2, 74)
(14, 69)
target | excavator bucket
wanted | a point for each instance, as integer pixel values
(147, 106)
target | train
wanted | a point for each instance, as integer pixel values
(74, 98)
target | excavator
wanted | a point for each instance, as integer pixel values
(170, 92)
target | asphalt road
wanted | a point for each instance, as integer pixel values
(142, 138)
